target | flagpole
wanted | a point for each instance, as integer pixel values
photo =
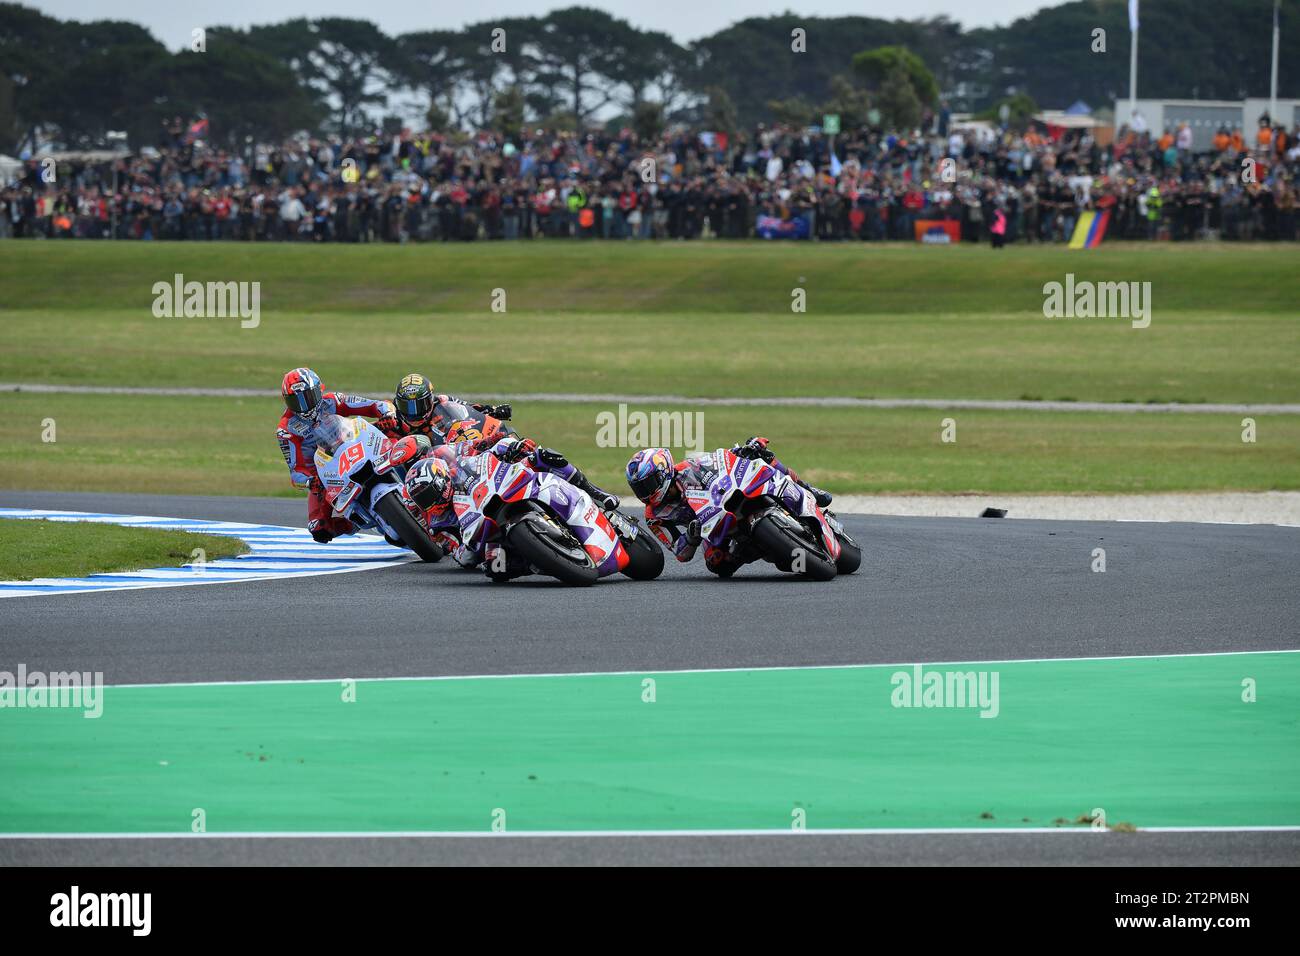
(1272, 89)
(1133, 63)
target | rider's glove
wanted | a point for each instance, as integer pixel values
(496, 411)
(387, 424)
(517, 450)
(755, 447)
(693, 536)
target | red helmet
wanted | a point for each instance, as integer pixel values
(408, 448)
(301, 391)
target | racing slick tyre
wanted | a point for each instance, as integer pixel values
(645, 557)
(550, 548)
(850, 554)
(783, 540)
(413, 535)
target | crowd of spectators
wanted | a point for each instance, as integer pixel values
(864, 184)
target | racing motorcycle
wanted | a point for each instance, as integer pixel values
(362, 485)
(744, 504)
(456, 421)
(518, 515)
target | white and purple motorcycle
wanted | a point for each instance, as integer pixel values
(759, 506)
(516, 515)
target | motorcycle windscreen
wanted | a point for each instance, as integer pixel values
(332, 431)
(474, 467)
(446, 414)
(456, 412)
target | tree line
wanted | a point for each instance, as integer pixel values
(577, 65)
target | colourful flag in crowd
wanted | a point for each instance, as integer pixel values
(1090, 230)
(197, 130)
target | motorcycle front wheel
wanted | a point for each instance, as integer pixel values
(552, 550)
(413, 535)
(789, 545)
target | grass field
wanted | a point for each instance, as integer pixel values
(707, 320)
(115, 443)
(55, 549)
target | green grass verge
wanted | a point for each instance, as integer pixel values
(597, 278)
(227, 446)
(707, 319)
(67, 549)
(691, 319)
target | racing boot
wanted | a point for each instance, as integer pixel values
(557, 463)
(606, 501)
(325, 530)
(322, 522)
(823, 498)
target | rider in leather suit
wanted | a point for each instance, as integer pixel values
(659, 482)
(305, 403)
(417, 407)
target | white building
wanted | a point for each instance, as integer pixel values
(1206, 117)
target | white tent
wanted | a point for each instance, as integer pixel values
(1068, 120)
(85, 155)
(9, 169)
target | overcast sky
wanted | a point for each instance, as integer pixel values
(171, 20)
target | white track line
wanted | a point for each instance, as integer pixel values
(561, 834)
(695, 670)
(832, 401)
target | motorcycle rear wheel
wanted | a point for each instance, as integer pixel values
(645, 556)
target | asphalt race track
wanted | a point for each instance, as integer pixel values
(929, 590)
